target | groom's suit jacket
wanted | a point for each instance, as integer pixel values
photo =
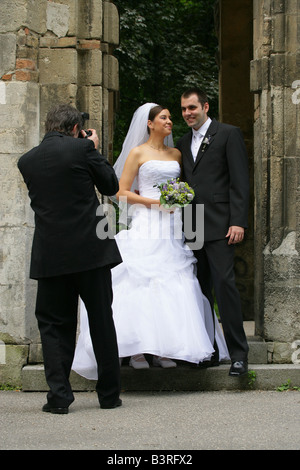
(61, 174)
(219, 177)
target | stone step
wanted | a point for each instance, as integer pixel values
(185, 377)
(181, 378)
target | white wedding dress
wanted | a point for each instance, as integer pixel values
(158, 306)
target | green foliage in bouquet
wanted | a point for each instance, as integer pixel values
(175, 193)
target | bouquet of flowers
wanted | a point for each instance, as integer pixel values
(175, 193)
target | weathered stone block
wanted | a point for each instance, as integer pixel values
(19, 13)
(53, 94)
(262, 28)
(292, 67)
(110, 72)
(19, 110)
(282, 291)
(291, 170)
(279, 34)
(291, 125)
(17, 291)
(89, 19)
(35, 353)
(90, 67)
(282, 353)
(7, 53)
(277, 129)
(50, 41)
(58, 66)
(58, 17)
(16, 358)
(89, 99)
(292, 33)
(110, 23)
(259, 74)
(291, 7)
(27, 38)
(12, 194)
(72, 6)
(278, 6)
(277, 69)
(276, 201)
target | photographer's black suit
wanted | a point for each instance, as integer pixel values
(68, 259)
(219, 176)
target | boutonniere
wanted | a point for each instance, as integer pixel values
(205, 142)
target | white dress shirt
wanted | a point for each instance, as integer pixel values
(198, 137)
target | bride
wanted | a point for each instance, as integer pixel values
(158, 305)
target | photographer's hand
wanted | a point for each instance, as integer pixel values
(93, 137)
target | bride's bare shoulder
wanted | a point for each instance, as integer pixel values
(175, 153)
(135, 153)
(135, 157)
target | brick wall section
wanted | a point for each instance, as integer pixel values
(26, 58)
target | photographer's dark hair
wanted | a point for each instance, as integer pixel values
(62, 118)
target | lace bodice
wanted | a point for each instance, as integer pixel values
(155, 172)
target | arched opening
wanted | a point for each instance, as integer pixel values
(234, 23)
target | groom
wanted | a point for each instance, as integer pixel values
(68, 259)
(215, 164)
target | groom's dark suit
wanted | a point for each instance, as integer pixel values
(219, 176)
(68, 259)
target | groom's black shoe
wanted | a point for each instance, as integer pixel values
(114, 405)
(238, 368)
(51, 409)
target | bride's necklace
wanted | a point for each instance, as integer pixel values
(155, 148)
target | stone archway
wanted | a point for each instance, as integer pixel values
(235, 32)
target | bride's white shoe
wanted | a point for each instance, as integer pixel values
(163, 362)
(138, 362)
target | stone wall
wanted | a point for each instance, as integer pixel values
(275, 81)
(50, 52)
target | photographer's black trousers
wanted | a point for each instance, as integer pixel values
(56, 312)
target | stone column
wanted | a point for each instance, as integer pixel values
(275, 80)
(19, 131)
(50, 52)
(110, 74)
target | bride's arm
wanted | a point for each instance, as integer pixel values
(130, 171)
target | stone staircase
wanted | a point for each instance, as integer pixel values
(185, 377)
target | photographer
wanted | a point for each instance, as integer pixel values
(68, 259)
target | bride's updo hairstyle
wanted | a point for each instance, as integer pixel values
(153, 113)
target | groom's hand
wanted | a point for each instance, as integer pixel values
(235, 234)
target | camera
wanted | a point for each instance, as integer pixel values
(85, 117)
